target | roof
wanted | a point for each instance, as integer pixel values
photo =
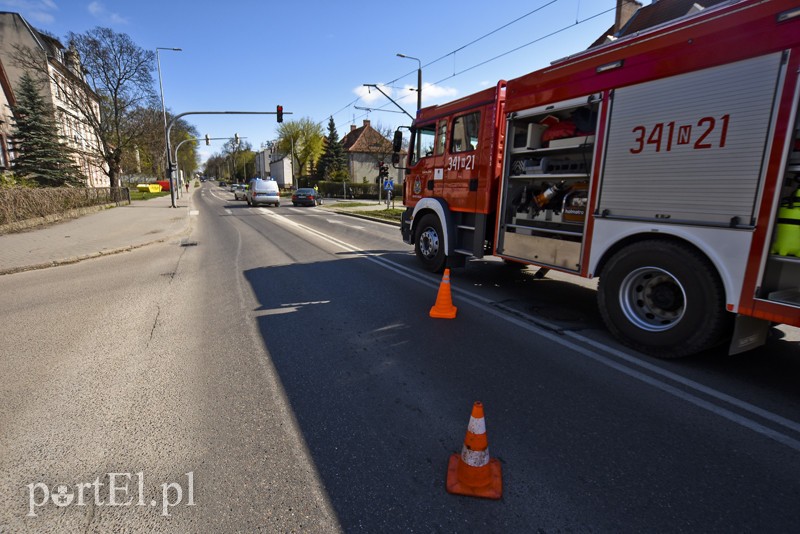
(366, 139)
(664, 11)
(658, 12)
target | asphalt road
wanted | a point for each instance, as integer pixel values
(285, 358)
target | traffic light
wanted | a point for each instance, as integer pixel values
(279, 113)
(208, 141)
(236, 139)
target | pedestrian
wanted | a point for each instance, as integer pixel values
(187, 187)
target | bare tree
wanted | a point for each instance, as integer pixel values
(120, 73)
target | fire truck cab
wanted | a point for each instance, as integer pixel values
(452, 184)
(666, 163)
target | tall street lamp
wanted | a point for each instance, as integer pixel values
(419, 79)
(166, 131)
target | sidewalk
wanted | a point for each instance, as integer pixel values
(108, 231)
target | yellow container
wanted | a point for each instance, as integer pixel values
(149, 188)
(787, 231)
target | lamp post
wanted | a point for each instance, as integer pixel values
(291, 138)
(166, 130)
(419, 79)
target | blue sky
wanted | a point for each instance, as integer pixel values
(313, 56)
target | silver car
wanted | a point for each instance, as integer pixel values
(240, 193)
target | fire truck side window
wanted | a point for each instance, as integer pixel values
(465, 133)
(441, 137)
(424, 138)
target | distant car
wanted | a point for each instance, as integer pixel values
(222, 183)
(263, 192)
(240, 193)
(306, 197)
(233, 187)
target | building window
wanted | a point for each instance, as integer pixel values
(3, 153)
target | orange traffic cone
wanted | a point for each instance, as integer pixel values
(472, 472)
(444, 309)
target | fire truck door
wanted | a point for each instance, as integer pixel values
(438, 158)
(460, 172)
(426, 158)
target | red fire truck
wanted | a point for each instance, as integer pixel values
(665, 163)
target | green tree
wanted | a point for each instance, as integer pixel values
(332, 165)
(149, 143)
(217, 167)
(41, 155)
(303, 140)
(238, 161)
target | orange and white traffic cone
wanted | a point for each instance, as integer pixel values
(472, 472)
(444, 309)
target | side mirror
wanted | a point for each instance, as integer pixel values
(397, 143)
(396, 158)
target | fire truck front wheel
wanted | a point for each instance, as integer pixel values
(663, 298)
(429, 244)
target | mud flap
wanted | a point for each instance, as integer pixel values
(405, 227)
(748, 333)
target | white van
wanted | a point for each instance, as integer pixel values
(262, 192)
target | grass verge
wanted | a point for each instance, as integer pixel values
(145, 195)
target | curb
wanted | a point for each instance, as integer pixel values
(91, 255)
(367, 217)
(363, 214)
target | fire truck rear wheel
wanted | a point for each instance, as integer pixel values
(663, 298)
(429, 244)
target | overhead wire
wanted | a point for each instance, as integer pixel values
(494, 58)
(462, 47)
(523, 46)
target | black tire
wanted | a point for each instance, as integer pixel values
(663, 298)
(429, 244)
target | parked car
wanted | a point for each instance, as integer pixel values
(306, 197)
(262, 192)
(240, 193)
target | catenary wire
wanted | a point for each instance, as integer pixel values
(539, 39)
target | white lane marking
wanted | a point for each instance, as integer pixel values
(229, 212)
(194, 212)
(334, 221)
(777, 419)
(486, 305)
